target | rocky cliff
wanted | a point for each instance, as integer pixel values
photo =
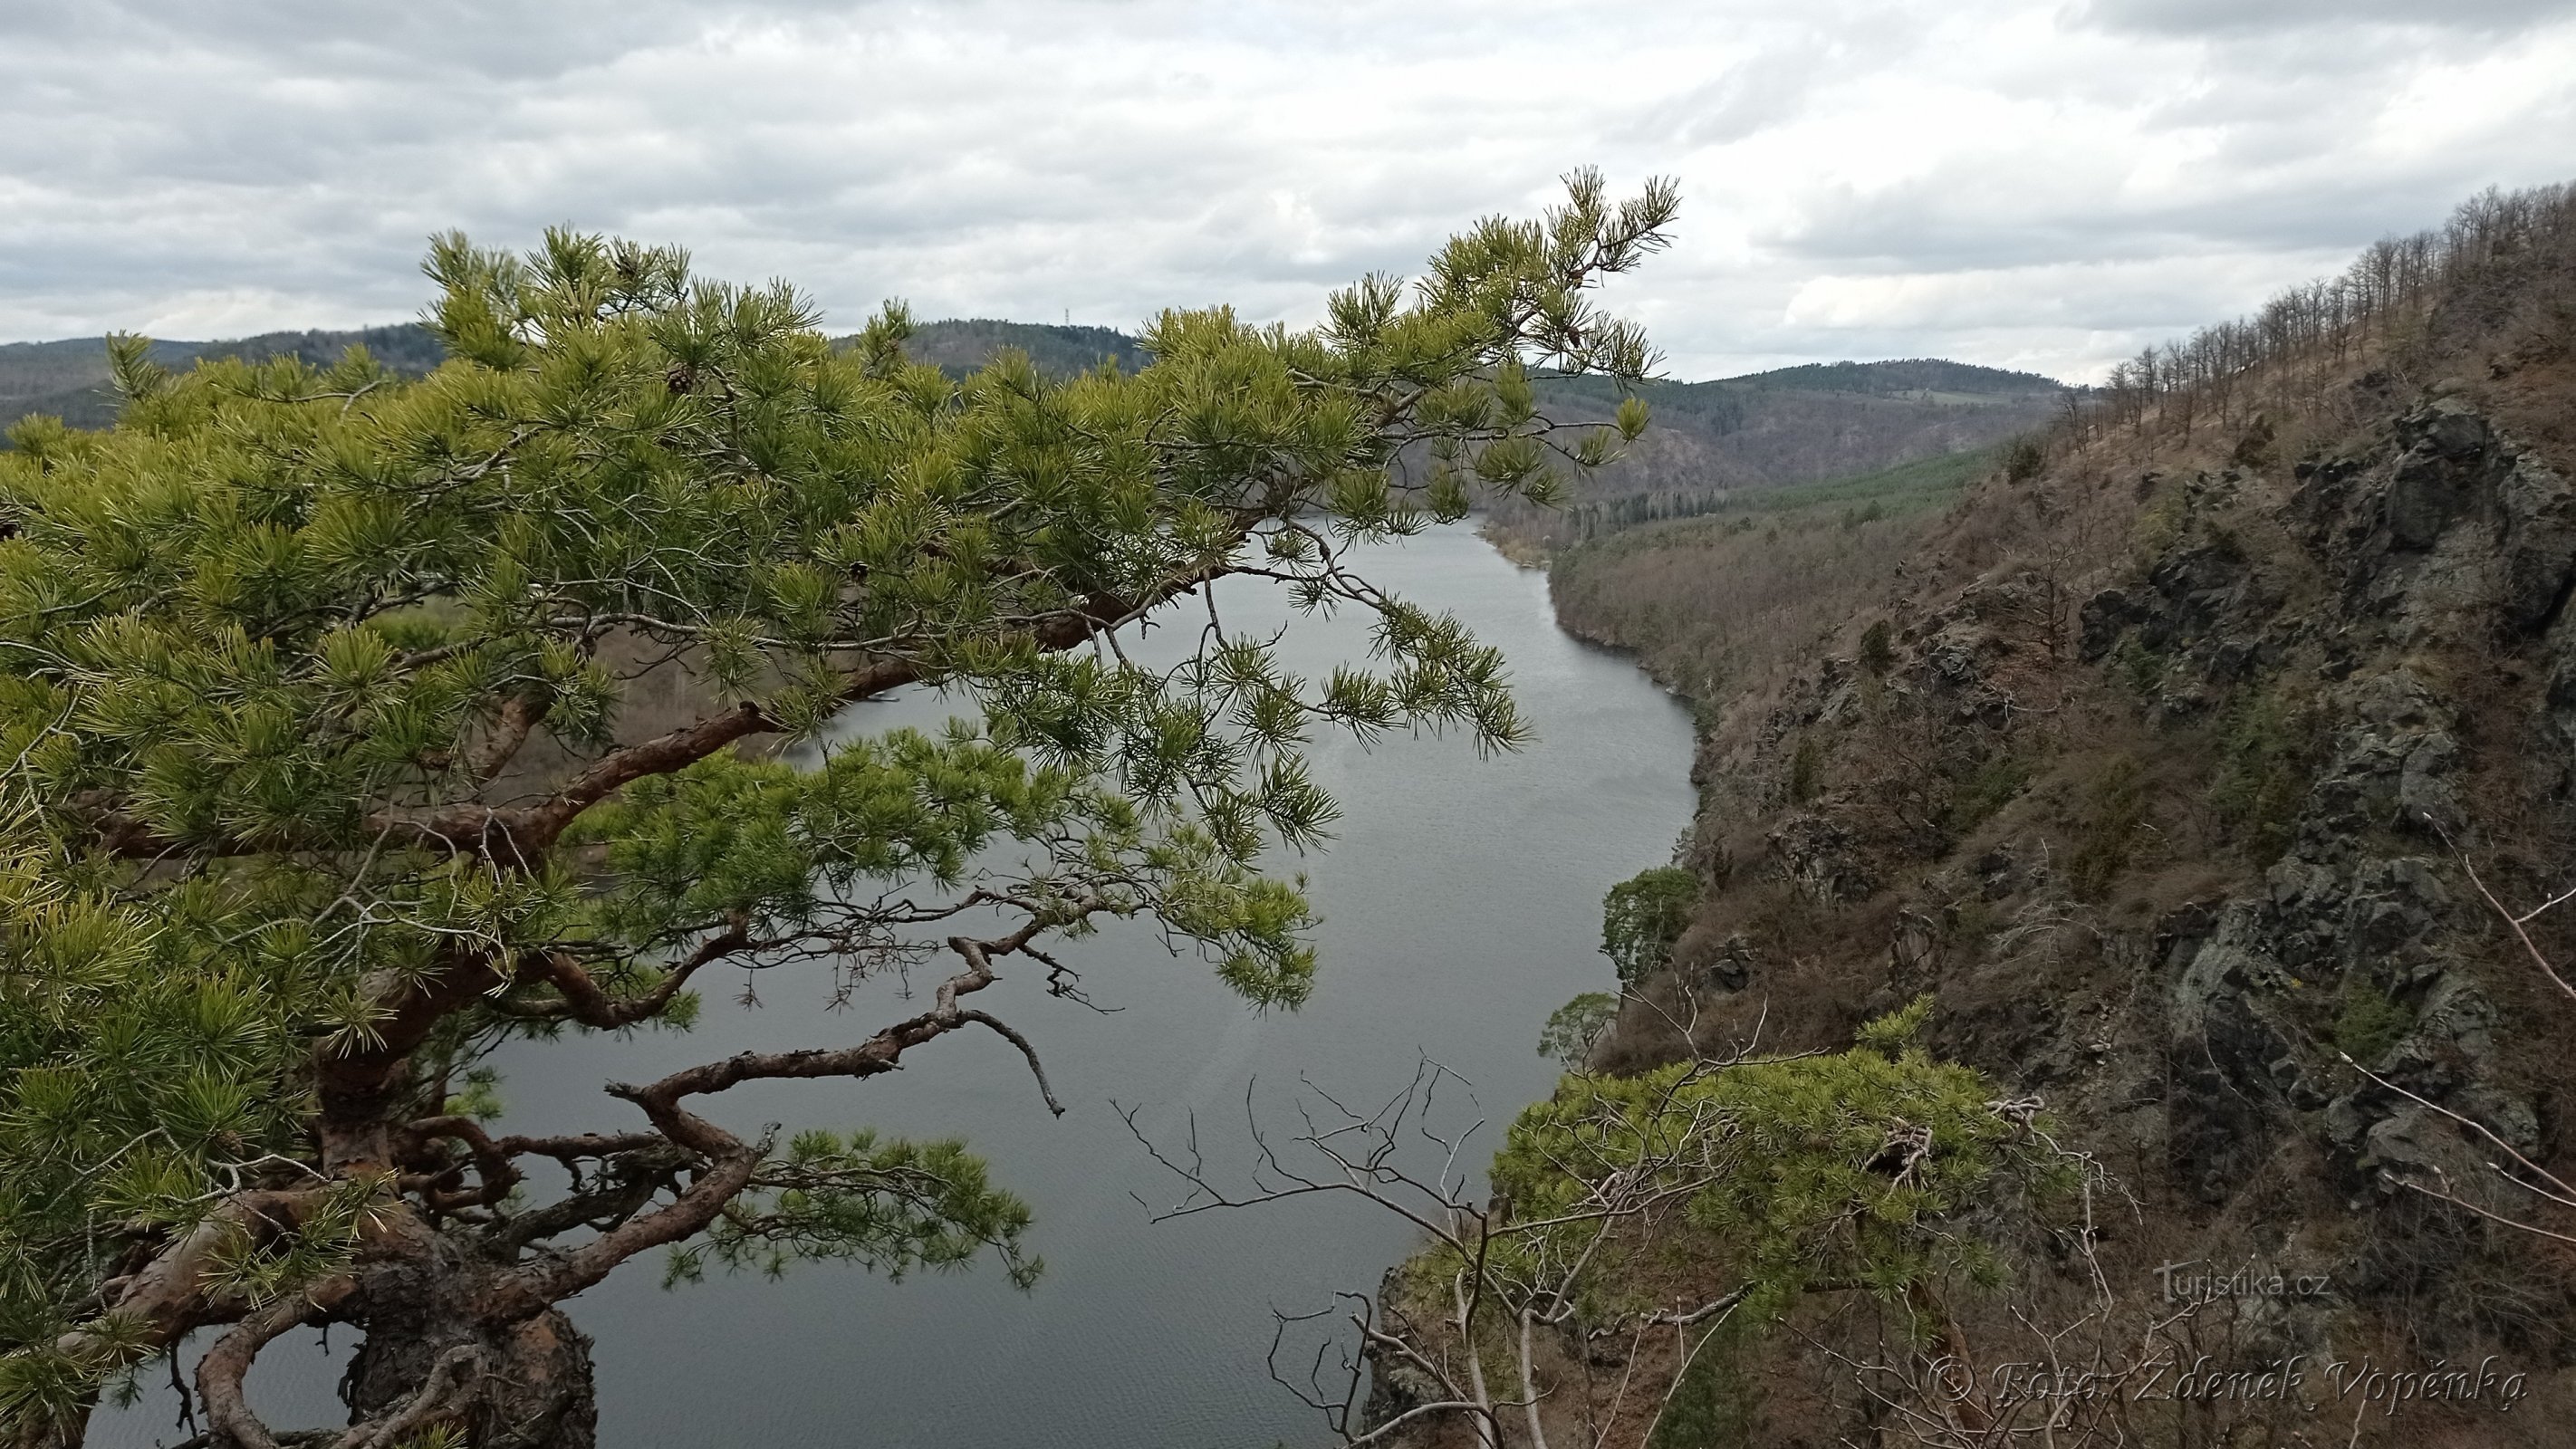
(2209, 779)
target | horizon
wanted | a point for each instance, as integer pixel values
(1119, 332)
(2031, 185)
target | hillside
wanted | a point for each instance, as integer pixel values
(1913, 377)
(1713, 440)
(1718, 601)
(961, 345)
(2209, 773)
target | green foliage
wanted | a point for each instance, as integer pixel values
(2370, 1022)
(781, 849)
(2267, 755)
(1881, 493)
(1971, 922)
(2025, 457)
(75, 380)
(273, 645)
(890, 1206)
(2161, 525)
(1576, 1027)
(1838, 1169)
(1876, 655)
(1893, 1034)
(1986, 789)
(2140, 667)
(481, 1099)
(1806, 770)
(1643, 916)
(1913, 378)
(1714, 1403)
(962, 346)
(2115, 807)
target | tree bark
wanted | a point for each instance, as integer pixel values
(436, 1351)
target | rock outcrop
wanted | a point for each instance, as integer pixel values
(2172, 811)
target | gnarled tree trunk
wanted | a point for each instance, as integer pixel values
(437, 1352)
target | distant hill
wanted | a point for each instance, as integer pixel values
(1908, 377)
(1711, 439)
(958, 346)
(70, 379)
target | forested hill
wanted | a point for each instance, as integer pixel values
(69, 379)
(960, 345)
(1713, 441)
(1915, 377)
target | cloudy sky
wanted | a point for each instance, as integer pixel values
(2039, 185)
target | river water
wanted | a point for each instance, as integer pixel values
(1461, 903)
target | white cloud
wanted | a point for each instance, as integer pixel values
(2020, 182)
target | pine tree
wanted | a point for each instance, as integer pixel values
(318, 701)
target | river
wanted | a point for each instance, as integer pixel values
(1461, 903)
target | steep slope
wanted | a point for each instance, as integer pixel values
(2206, 778)
(1713, 440)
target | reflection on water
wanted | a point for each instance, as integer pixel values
(1461, 904)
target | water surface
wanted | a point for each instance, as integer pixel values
(1461, 903)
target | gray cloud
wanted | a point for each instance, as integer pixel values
(2207, 17)
(2008, 181)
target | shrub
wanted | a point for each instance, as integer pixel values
(2267, 755)
(1575, 1028)
(2254, 449)
(1715, 1403)
(1988, 788)
(1643, 916)
(1789, 1162)
(2116, 806)
(2160, 525)
(2024, 457)
(1876, 655)
(2140, 667)
(2371, 1022)
(1806, 771)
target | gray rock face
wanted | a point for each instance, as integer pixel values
(1821, 856)
(2452, 524)
(2436, 479)
(2424, 493)
(2390, 769)
(2204, 603)
(2539, 543)
(2104, 618)
(2449, 536)
(2227, 1102)
(1730, 967)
